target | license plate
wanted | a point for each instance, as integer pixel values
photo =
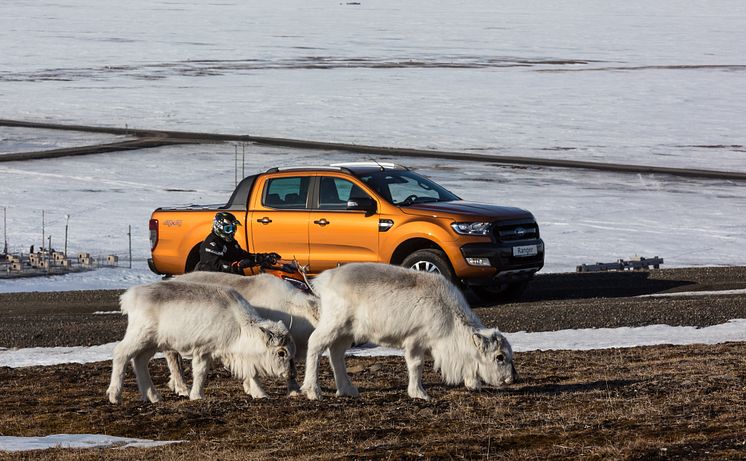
(526, 250)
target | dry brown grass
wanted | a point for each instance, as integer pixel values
(664, 402)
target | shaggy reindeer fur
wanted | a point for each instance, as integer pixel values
(273, 299)
(206, 322)
(417, 311)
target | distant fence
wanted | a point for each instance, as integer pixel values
(44, 263)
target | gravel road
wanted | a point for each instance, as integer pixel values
(552, 302)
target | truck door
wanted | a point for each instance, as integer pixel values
(279, 221)
(338, 235)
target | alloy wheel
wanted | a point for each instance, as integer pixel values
(425, 266)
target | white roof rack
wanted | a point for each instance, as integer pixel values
(367, 164)
(305, 167)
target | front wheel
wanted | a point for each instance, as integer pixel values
(430, 260)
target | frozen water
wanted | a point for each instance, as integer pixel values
(13, 140)
(644, 82)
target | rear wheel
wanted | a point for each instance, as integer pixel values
(430, 260)
(192, 260)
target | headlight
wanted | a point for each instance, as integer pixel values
(472, 228)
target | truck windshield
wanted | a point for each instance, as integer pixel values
(405, 188)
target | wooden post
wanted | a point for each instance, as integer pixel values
(5, 230)
(129, 234)
(67, 220)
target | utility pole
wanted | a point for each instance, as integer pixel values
(235, 167)
(129, 233)
(5, 230)
(67, 221)
(48, 255)
(243, 160)
(42, 229)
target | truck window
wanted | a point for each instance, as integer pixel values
(335, 192)
(286, 193)
(406, 187)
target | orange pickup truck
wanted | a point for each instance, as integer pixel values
(362, 212)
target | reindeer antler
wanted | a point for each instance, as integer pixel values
(303, 270)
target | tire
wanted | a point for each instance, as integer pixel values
(494, 295)
(429, 260)
(192, 260)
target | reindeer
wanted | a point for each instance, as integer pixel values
(274, 299)
(208, 323)
(420, 312)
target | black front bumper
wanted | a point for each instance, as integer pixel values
(510, 269)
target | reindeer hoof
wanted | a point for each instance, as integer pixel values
(352, 392)
(312, 393)
(114, 398)
(419, 395)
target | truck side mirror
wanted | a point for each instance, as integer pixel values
(366, 204)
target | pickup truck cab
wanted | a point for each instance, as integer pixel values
(362, 212)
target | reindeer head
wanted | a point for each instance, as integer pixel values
(495, 357)
(280, 348)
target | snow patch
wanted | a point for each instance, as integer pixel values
(696, 293)
(581, 339)
(11, 443)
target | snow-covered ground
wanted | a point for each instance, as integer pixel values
(584, 339)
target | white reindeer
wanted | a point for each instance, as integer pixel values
(273, 299)
(417, 311)
(208, 323)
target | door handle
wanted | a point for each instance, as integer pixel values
(264, 220)
(321, 222)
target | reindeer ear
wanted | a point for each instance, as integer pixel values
(480, 341)
(268, 335)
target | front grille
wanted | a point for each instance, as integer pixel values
(509, 232)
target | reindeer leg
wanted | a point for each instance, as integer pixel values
(144, 381)
(472, 383)
(252, 387)
(123, 353)
(200, 365)
(337, 361)
(415, 358)
(293, 387)
(319, 340)
(176, 370)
